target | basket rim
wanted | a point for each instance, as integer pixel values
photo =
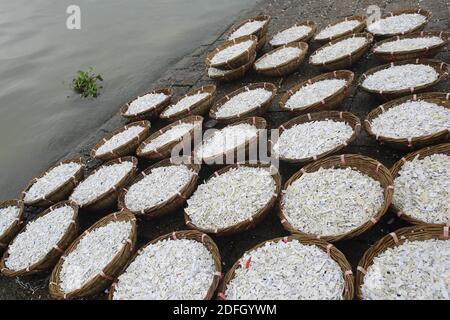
(427, 14)
(168, 91)
(229, 43)
(364, 47)
(19, 220)
(309, 35)
(35, 267)
(79, 160)
(123, 215)
(259, 214)
(394, 239)
(340, 116)
(111, 190)
(236, 26)
(205, 239)
(442, 68)
(395, 169)
(210, 89)
(362, 24)
(303, 46)
(344, 161)
(394, 103)
(196, 120)
(145, 124)
(247, 87)
(242, 69)
(332, 251)
(346, 75)
(150, 212)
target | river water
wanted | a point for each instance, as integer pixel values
(129, 42)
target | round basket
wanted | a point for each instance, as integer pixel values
(397, 238)
(260, 33)
(199, 108)
(231, 75)
(107, 275)
(236, 61)
(149, 113)
(256, 111)
(108, 199)
(405, 143)
(331, 251)
(258, 122)
(50, 259)
(305, 38)
(165, 150)
(190, 235)
(358, 28)
(125, 149)
(257, 217)
(443, 148)
(365, 165)
(60, 193)
(339, 116)
(15, 227)
(287, 67)
(441, 68)
(327, 103)
(422, 12)
(428, 52)
(345, 61)
(174, 202)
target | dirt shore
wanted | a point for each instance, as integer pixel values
(190, 72)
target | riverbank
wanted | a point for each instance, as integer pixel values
(190, 72)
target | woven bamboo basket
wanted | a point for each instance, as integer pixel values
(174, 202)
(287, 67)
(345, 61)
(346, 117)
(126, 149)
(190, 235)
(236, 61)
(331, 251)
(406, 143)
(59, 194)
(15, 227)
(260, 33)
(394, 239)
(428, 52)
(109, 272)
(359, 28)
(327, 103)
(441, 68)
(50, 259)
(199, 108)
(423, 12)
(305, 38)
(261, 43)
(165, 150)
(108, 199)
(219, 159)
(257, 217)
(363, 164)
(149, 113)
(443, 148)
(256, 111)
(231, 75)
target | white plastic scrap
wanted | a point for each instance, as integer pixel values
(231, 52)
(290, 35)
(247, 29)
(338, 50)
(243, 102)
(175, 133)
(278, 58)
(185, 103)
(409, 44)
(397, 24)
(337, 29)
(120, 139)
(7, 217)
(146, 102)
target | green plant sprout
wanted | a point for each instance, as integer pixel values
(86, 83)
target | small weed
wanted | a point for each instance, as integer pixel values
(86, 83)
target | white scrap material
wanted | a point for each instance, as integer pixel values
(146, 102)
(278, 57)
(411, 119)
(7, 217)
(338, 50)
(290, 35)
(331, 202)
(287, 271)
(415, 270)
(185, 103)
(337, 29)
(231, 52)
(396, 24)
(310, 139)
(168, 270)
(422, 189)
(94, 251)
(38, 239)
(175, 133)
(51, 181)
(409, 44)
(100, 182)
(243, 102)
(248, 28)
(120, 139)
(230, 198)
